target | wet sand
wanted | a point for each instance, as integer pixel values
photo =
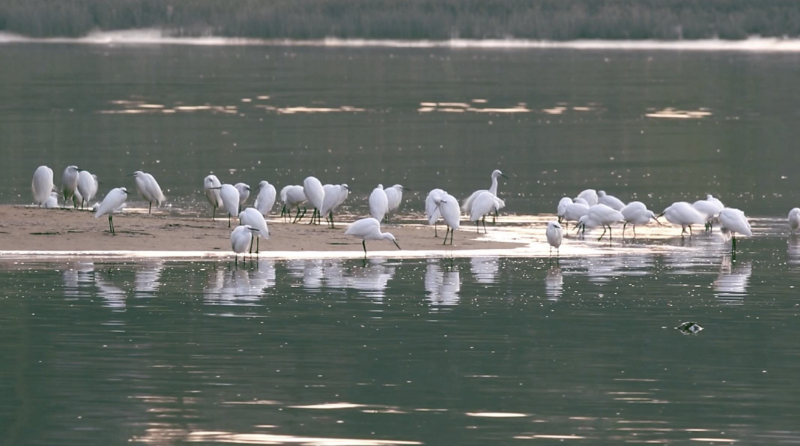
(75, 231)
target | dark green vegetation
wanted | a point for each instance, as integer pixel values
(411, 19)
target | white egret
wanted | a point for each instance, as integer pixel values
(574, 212)
(432, 212)
(114, 200)
(683, 214)
(244, 192)
(148, 188)
(295, 196)
(468, 203)
(610, 201)
(241, 238)
(709, 207)
(42, 184)
(315, 194)
(600, 215)
(211, 186)
(562, 207)
(394, 196)
(87, 187)
(378, 203)
(230, 199)
(636, 213)
(794, 220)
(581, 201)
(253, 218)
(265, 200)
(590, 196)
(734, 221)
(451, 214)
(335, 195)
(282, 197)
(52, 201)
(485, 203)
(554, 236)
(369, 229)
(69, 184)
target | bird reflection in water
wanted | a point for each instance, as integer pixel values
(146, 279)
(793, 250)
(442, 286)
(485, 269)
(77, 278)
(554, 284)
(731, 284)
(239, 286)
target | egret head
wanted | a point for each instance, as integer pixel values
(553, 225)
(263, 184)
(389, 236)
(380, 186)
(136, 174)
(73, 168)
(497, 173)
(601, 193)
(344, 185)
(124, 190)
(398, 187)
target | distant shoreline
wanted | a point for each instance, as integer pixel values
(157, 37)
(411, 20)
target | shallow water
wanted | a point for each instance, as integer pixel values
(472, 351)
(653, 125)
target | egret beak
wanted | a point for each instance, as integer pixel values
(126, 192)
(406, 188)
(254, 229)
(395, 244)
(218, 187)
(656, 219)
(348, 188)
(504, 176)
(660, 215)
(247, 187)
(130, 174)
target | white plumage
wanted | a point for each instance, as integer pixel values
(148, 189)
(211, 187)
(369, 229)
(562, 207)
(378, 203)
(335, 195)
(394, 196)
(52, 201)
(601, 215)
(253, 218)
(483, 204)
(451, 214)
(683, 214)
(636, 213)
(315, 194)
(244, 193)
(574, 212)
(590, 196)
(230, 199)
(265, 200)
(468, 203)
(295, 196)
(794, 220)
(554, 235)
(610, 201)
(42, 184)
(432, 212)
(114, 200)
(69, 184)
(241, 238)
(734, 221)
(87, 187)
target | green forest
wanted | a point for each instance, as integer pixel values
(410, 19)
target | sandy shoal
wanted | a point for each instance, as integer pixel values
(49, 230)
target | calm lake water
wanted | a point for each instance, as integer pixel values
(477, 351)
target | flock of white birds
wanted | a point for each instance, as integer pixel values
(588, 210)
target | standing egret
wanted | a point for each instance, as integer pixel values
(394, 196)
(733, 221)
(794, 220)
(369, 229)
(709, 207)
(253, 218)
(69, 183)
(244, 192)
(283, 199)
(683, 214)
(211, 186)
(484, 204)
(265, 200)
(378, 203)
(636, 213)
(148, 188)
(562, 207)
(554, 236)
(468, 203)
(335, 195)
(600, 215)
(315, 194)
(574, 212)
(113, 201)
(42, 184)
(241, 238)
(590, 196)
(610, 201)
(87, 187)
(230, 199)
(295, 196)
(432, 212)
(451, 214)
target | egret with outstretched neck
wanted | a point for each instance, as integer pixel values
(468, 203)
(369, 229)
